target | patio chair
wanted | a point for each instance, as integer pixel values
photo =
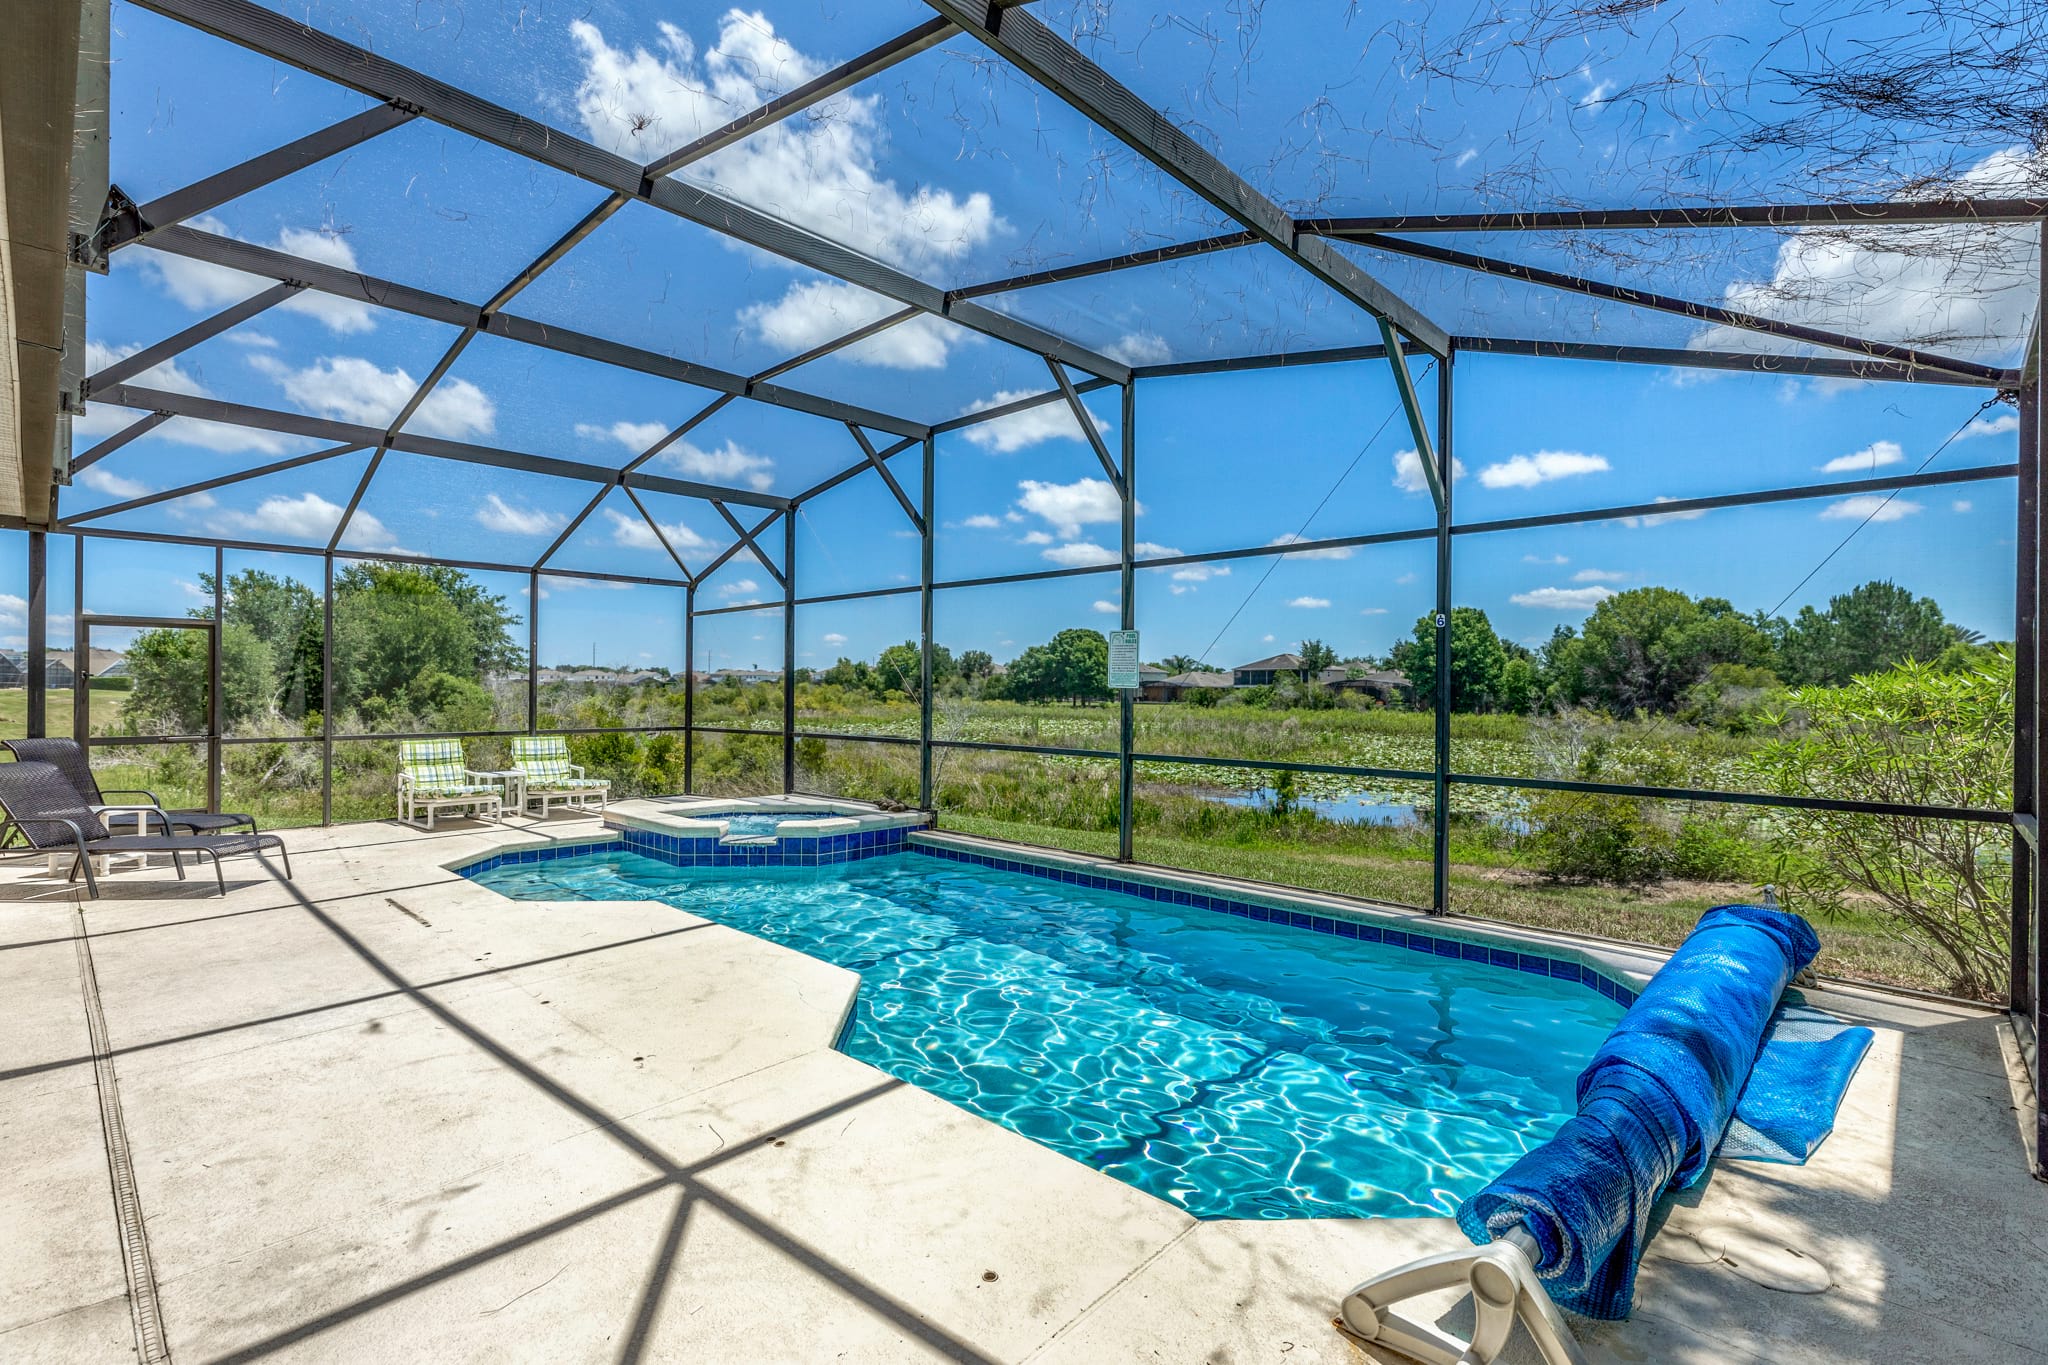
(54, 817)
(433, 776)
(549, 779)
(68, 757)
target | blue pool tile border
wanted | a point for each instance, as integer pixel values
(707, 851)
(1415, 940)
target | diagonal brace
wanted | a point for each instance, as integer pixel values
(1087, 421)
(875, 458)
(1404, 382)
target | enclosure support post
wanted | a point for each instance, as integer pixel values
(2026, 693)
(533, 652)
(789, 650)
(690, 690)
(327, 690)
(81, 719)
(37, 680)
(1440, 811)
(2029, 643)
(926, 509)
(216, 708)
(1126, 721)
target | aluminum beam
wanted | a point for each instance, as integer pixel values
(282, 39)
(204, 486)
(349, 433)
(881, 467)
(421, 303)
(747, 541)
(134, 430)
(1021, 38)
(1086, 421)
(150, 356)
(1130, 260)
(1826, 367)
(1700, 312)
(1695, 216)
(1418, 425)
(138, 225)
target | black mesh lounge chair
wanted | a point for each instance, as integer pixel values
(51, 815)
(68, 757)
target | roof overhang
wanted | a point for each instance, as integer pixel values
(53, 159)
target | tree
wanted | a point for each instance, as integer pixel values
(1864, 631)
(1561, 664)
(169, 669)
(1914, 736)
(1072, 666)
(1476, 660)
(490, 622)
(1184, 663)
(1315, 657)
(976, 663)
(1643, 649)
(900, 667)
(1519, 687)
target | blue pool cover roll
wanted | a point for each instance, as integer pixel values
(1789, 1105)
(1653, 1104)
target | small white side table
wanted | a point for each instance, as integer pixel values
(514, 783)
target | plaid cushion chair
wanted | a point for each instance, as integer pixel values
(433, 776)
(551, 779)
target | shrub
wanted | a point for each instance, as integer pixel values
(1912, 736)
(1592, 837)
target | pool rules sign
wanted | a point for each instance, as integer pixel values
(1123, 659)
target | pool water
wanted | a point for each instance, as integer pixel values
(753, 825)
(1238, 1069)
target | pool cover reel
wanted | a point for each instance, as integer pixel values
(1653, 1105)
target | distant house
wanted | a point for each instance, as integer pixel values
(57, 673)
(1382, 684)
(13, 669)
(1180, 684)
(1266, 672)
(595, 677)
(746, 676)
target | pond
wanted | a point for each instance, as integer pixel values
(1360, 808)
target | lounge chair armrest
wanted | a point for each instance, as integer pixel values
(133, 791)
(141, 812)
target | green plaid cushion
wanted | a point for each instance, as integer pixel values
(544, 761)
(436, 766)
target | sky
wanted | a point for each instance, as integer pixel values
(957, 170)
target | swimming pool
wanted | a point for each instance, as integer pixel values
(1238, 1069)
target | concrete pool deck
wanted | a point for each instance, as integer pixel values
(386, 1114)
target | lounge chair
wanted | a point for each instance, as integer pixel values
(54, 817)
(551, 780)
(433, 776)
(68, 756)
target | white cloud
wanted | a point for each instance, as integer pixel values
(1408, 475)
(1070, 506)
(635, 532)
(1326, 552)
(1052, 421)
(1139, 348)
(1993, 426)
(1034, 538)
(813, 312)
(1310, 602)
(1526, 471)
(739, 587)
(1075, 555)
(350, 389)
(1659, 518)
(729, 465)
(1875, 506)
(835, 638)
(1961, 505)
(819, 170)
(205, 287)
(1599, 576)
(1563, 599)
(1200, 573)
(1873, 456)
(1545, 559)
(1408, 577)
(495, 514)
(1106, 608)
(1374, 611)
(306, 518)
(634, 436)
(102, 480)
(1152, 549)
(982, 521)
(1964, 289)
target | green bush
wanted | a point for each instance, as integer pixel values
(1591, 837)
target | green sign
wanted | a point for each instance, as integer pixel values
(1123, 659)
